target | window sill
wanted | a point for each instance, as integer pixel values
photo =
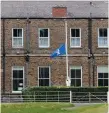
(15, 92)
(17, 47)
(102, 47)
(44, 47)
(75, 47)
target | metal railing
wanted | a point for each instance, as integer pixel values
(57, 96)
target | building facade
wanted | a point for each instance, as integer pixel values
(29, 36)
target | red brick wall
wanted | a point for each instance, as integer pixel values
(59, 11)
(40, 57)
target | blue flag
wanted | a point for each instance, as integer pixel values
(59, 51)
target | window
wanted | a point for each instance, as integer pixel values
(102, 75)
(17, 38)
(102, 37)
(75, 38)
(75, 75)
(17, 78)
(44, 76)
(44, 38)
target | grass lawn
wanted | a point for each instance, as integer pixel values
(51, 108)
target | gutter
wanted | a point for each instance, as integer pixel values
(4, 55)
(53, 18)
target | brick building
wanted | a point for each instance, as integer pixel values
(31, 31)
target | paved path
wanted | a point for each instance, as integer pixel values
(76, 105)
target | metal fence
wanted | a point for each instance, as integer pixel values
(57, 96)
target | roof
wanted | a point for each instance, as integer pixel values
(43, 9)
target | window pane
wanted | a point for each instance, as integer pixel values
(43, 82)
(100, 82)
(43, 32)
(105, 82)
(17, 41)
(17, 85)
(43, 41)
(72, 82)
(78, 73)
(73, 73)
(103, 41)
(75, 41)
(105, 75)
(100, 75)
(17, 73)
(78, 82)
(73, 33)
(103, 32)
(44, 72)
(77, 33)
(19, 32)
(15, 32)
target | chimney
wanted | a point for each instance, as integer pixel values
(59, 12)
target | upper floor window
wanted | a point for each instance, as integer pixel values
(44, 38)
(75, 37)
(102, 75)
(44, 76)
(102, 37)
(17, 78)
(17, 37)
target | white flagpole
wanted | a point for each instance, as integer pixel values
(108, 76)
(67, 79)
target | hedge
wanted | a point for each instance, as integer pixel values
(31, 90)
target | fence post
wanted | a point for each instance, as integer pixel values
(9, 98)
(46, 96)
(89, 97)
(70, 96)
(34, 96)
(58, 96)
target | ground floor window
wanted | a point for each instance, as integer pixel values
(44, 76)
(17, 78)
(102, 75)
(75, 75)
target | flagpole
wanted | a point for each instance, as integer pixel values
(67, 79)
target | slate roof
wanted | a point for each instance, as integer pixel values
(43, 9)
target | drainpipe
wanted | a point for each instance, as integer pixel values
(27, 52)
(93, 63)
(89, 47)
(4, 56)
(90, 54)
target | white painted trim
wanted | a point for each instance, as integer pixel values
(75, 37)
(12, 78)
(102, 37)
(13, 46)
(71, 67)
(49, 74)
(44, 37)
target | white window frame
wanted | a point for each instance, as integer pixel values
(41, 46)
(72, 67)
(45, 78)
(98, 71)
(15, 46)
(19, 68)
(99, 46)
(74, 38)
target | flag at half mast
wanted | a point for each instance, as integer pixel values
(59, 51)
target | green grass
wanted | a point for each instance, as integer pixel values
(51, 108)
